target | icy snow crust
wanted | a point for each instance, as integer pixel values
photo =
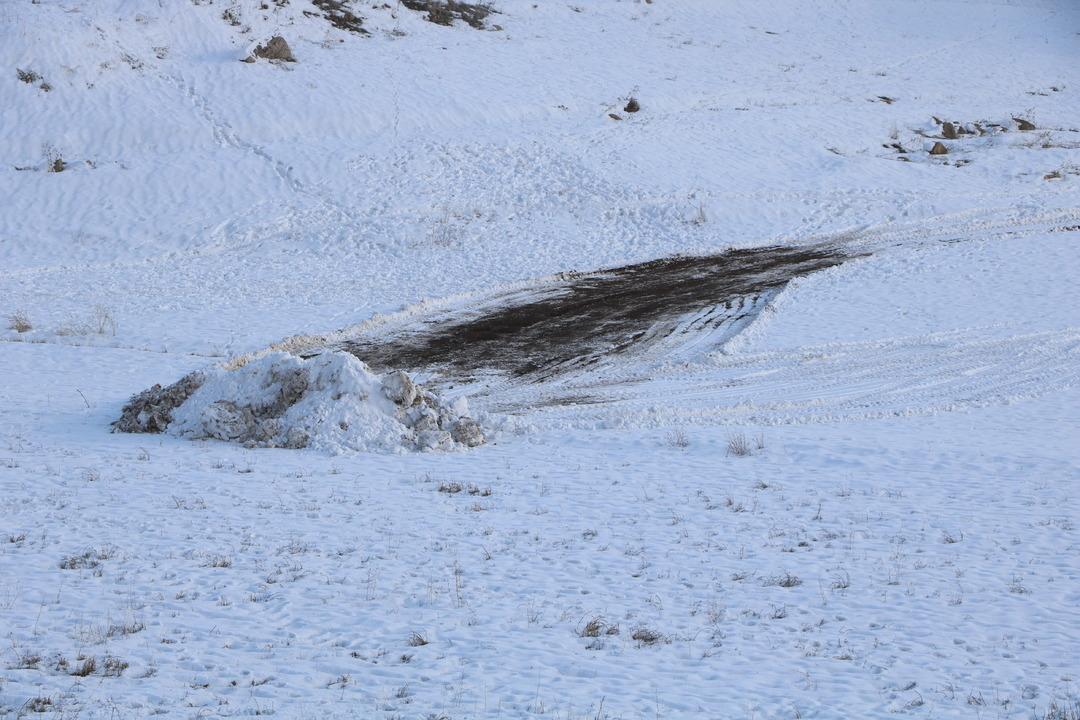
(329, 402)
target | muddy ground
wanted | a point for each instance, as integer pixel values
(592, 315)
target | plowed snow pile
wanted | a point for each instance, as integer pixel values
(329, 402)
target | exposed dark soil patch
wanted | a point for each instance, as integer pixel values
(27, 76)
(341, 15)
(592, 314)
(32, 78)
(446, 12)
(151, 410)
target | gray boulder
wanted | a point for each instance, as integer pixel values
(275, 49)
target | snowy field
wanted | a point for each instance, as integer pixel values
(851, 494)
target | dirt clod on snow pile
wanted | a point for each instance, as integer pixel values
(330, 402)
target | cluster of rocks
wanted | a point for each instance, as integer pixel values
(953, 130)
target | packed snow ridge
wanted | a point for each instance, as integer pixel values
(330, 402)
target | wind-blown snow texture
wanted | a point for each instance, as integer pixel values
(902, 539)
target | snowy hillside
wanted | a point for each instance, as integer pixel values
(768, 311)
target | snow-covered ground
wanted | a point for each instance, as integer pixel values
(901, 536)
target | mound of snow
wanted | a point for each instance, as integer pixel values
(331, 402)
(151, 411)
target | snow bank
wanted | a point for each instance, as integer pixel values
(330, 402)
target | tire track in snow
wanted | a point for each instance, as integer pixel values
(867, 380)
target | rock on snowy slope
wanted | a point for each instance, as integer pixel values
(276, 49)
(329, 402)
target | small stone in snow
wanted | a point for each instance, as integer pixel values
(275, 49)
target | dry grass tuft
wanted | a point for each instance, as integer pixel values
(787, 580)
(645, 636)
(597, 627)
(677, 438)
(85, 668)
(739, 445)
(1068, 711)
(38, 705)
(87, 560)
(113, 667)
(27, 660)
(121, 629)
(19, 321)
